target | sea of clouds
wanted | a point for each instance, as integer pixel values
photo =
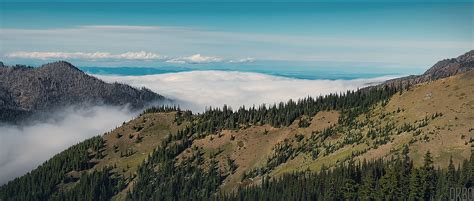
(22, 148)
(196, 90)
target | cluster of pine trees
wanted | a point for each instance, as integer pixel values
(351, 103)
(163, 177)
(187, 181)
(42, 183)
(397, 179)
(97, 185)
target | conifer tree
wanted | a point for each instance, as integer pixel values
(389, 184)
(451, 174)
(368, 187)
(350, 189)
(405, 172)
(428, 180)
(415, 186)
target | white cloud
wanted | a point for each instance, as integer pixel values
(185, 41)
(105, 56)
(244, 60)
(194, 90)
(121, 27)
(142, 55)
(22, 148)
(199, 89)
(195, 59)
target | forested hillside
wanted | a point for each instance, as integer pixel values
(396, 179)
(408, 142)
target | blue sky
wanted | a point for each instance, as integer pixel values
(396, 36)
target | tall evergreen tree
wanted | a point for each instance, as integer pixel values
(451, 176)
(389, 184)
(368, 187)
(350, 189)
(428, 179)
(405, 173)
(416, 188)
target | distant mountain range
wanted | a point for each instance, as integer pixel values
(27, 90)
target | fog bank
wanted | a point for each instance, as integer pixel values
(23, 148)
(197, 90)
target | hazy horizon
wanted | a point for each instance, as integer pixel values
(397, 36)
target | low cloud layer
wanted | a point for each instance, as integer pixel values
(197, 90)
(23, 148)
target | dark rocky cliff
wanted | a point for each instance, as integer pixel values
(26, 90)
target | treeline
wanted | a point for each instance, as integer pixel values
(396, 179)
(161, 177)
(97, 185)
(351, 103)
(42, 183)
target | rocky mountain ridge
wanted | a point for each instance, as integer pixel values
(27, 90)
(442, 69)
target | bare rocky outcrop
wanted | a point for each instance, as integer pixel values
(442, 69)
(26, 90)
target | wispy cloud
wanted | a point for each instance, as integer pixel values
(120, 27)
(195, 59)
(142, 55)
(39, 141)
(179, 42)
(244, 60)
